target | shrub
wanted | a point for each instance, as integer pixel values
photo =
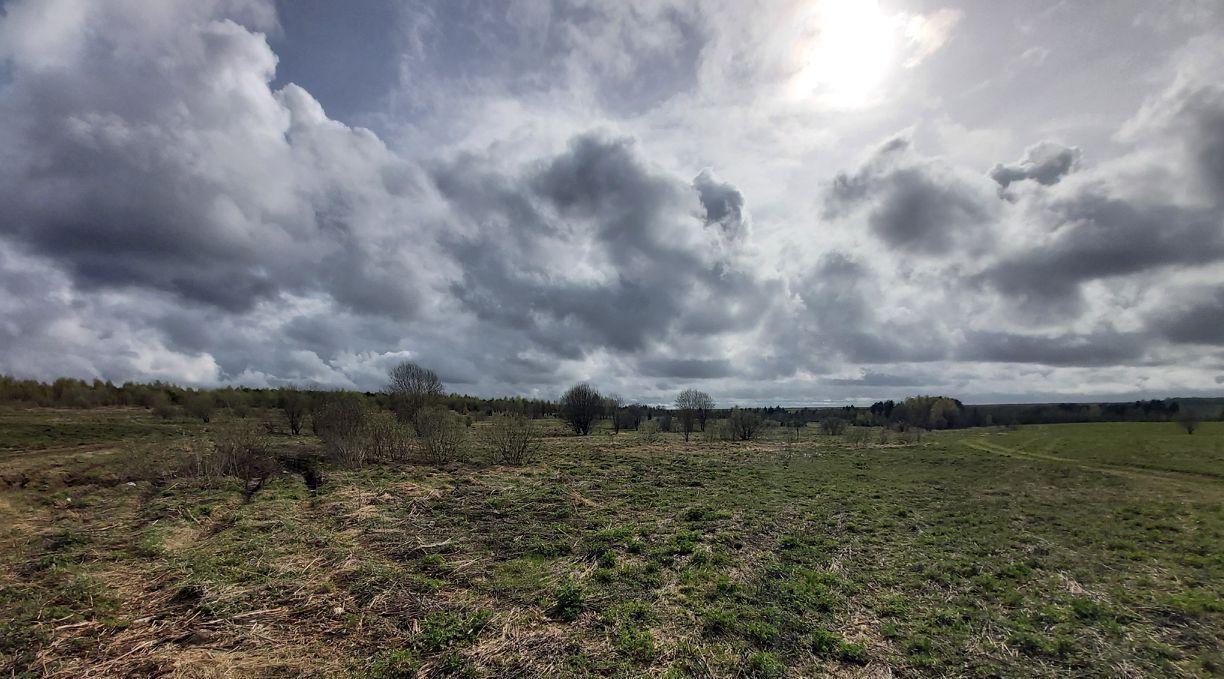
(388, 439)
(162, 408)
(241, 452)
(199, 405)
(744, 424)
(857, 436)
(513, 439)
(650, 432)
(833, 426)
(340, 420)
(719, 430)
(441, 434)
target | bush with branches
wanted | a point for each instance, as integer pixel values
(513, 439)
(441, 434)
(240, 451)
(833, 426)
(745, 424)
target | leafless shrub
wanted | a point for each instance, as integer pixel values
(441, 434)
(241, 452)
(833, 426)
(650, 431)
(744, 424)
(389, 440)
(857, 436)
(513, 439)
(719, 430)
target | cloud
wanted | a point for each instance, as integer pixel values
(1198, 319)
(158, 158)
(1063, 349)
(1045, 163)
(593, 248)
(723, 204)
(927, 34)
(914, 203)
(1092, 236)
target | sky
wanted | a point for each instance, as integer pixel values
(827, 201)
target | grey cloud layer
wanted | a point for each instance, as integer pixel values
(189, 221)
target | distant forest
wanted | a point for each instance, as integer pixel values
(924, 412)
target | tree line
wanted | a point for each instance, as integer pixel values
(582, 405)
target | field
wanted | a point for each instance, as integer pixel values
(1044, 551)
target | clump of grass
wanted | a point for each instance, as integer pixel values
(827, 644)
(635, 642)
(442, 630)
(399, 663)
(571, 601)
(765, 665)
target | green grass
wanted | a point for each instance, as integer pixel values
(1067, 550)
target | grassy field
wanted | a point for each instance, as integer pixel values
(1047, 551)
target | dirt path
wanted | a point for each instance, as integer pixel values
(1119, 469)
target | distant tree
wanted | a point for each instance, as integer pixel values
(833, 426)
(580, 407)
(612, 406)
(744, 424)
(199, 404)
(294, 404)
(411, 388)
(1188, 420)
(705, 406)
(689, 404)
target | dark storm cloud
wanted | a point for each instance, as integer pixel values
(913, 203)
(646, 266)
(686, 368)
(723, 204)
(1061, 349)
(1195, 321)
(1045, 163)
(1101, 237)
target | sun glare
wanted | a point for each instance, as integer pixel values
(853, 48)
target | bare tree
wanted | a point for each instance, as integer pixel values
(705, 406)
(744, 423)
(295, 404)
(411, 388)
(580, 407)
(688, 410)
(612, 406)
(1188, 420)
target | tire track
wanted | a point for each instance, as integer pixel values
(1122, 469)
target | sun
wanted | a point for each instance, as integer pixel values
(852, 51)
